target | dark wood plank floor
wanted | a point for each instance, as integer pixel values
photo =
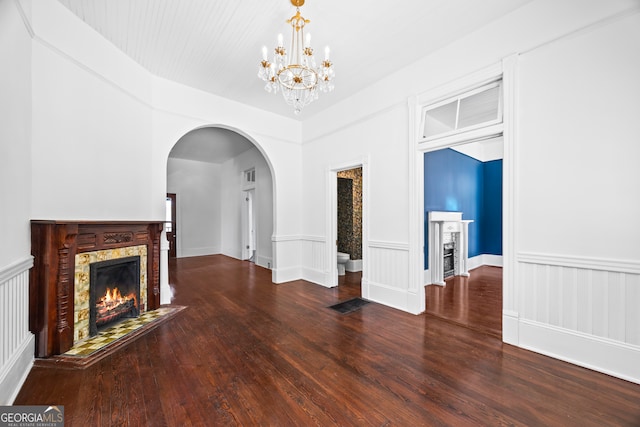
(474, 301)
(248, 352)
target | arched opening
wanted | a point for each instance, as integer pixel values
(216, 176)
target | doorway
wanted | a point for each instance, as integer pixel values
(211, 168)
(349, 221)
(348, 217)
(248, 227)
(467, 178)
(170, 223)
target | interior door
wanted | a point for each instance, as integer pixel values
(170, 223)
(248, 227)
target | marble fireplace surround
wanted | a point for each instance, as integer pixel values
(439, 224)
(57, 246)
(82, 283)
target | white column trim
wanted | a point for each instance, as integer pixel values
(510, 294)
(166, 293)
(416, 208)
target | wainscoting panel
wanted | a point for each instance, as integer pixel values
(314, 260)
(314, 252)
(586, 304)
(593, 300)
(286, 258)
(389, 265)
(16, 342)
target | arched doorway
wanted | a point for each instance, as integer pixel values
(207, 171)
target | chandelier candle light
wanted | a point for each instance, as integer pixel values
(296, 74)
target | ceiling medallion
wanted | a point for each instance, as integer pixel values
(296, 74)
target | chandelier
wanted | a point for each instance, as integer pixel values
(295, 73)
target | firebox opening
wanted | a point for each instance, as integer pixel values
(114, 292)
(449, 260)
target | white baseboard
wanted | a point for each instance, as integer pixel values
(190, 252)
(318, 277)
(399, 299)
(283, 275)
(599, 354)
(264, 261)
(354, 265)
(510, 327)
(484, 259)
(473, 262)
(14, 372)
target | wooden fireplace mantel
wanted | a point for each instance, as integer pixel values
(54, 245)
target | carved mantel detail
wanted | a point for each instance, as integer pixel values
(54, 245)
(111, 238)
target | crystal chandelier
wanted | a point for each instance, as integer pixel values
(295, 73)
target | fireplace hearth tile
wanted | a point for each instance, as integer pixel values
(117, 331)
(93, 349)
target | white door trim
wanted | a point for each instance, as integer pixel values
(332, 220)
(507, 69)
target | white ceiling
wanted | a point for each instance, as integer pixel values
(215, 45)
(485, 150)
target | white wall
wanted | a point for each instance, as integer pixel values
(580, 99)
(16, 342)
(198, 212)
(381, 142)
(572, 294)
(578, 205)
(232, 205)
(91, 134)
(15, 135)
(103, 128)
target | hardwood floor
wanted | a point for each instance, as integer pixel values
(248, 352)
(474, 301)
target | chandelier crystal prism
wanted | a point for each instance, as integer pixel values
(295, 73)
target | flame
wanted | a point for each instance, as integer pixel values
(113, 297)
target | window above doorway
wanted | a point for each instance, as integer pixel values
(474, 109)
(249, 180)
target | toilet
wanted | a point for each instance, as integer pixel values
(342, 262)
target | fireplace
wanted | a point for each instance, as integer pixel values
(60, 303)
(448, 246)
(449, 259)
(114, 292)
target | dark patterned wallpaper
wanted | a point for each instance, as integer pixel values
(350, 212)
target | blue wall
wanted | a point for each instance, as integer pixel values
(458, 183)
(491, 219)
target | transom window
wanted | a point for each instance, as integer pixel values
(249, 180)
(474, 109)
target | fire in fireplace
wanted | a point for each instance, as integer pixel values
(114, 292)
